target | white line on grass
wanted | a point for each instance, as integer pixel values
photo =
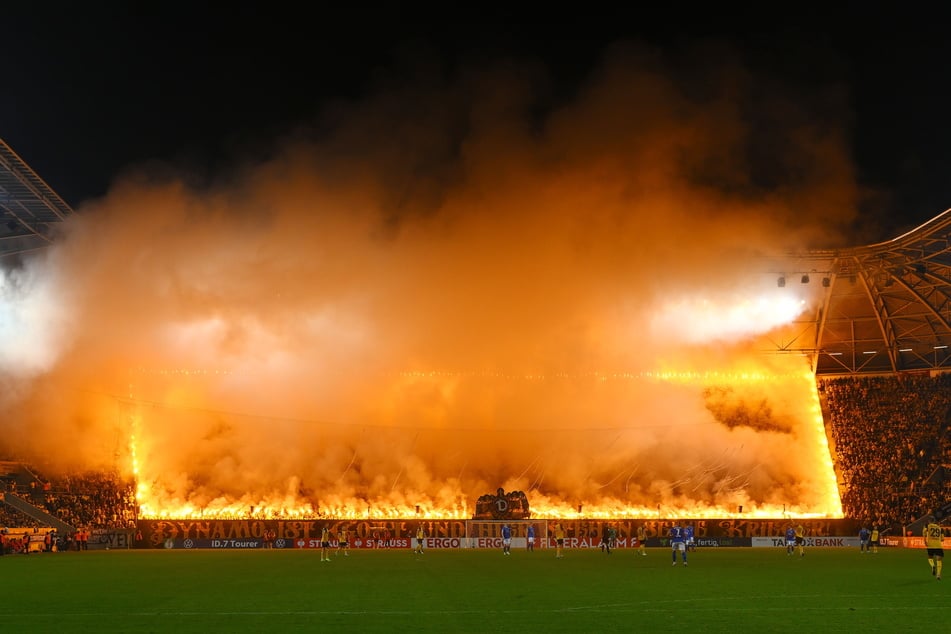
(603, 609)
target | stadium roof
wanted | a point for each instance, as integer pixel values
(884, 308)
(29, 209)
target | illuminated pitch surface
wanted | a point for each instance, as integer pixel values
(471, 591)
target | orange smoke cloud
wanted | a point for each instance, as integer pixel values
(449, 287)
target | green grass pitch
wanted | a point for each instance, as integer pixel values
(722, 590)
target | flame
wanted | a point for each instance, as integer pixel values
(156, 501)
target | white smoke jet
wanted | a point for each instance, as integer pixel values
(733, 318)
(32, 320)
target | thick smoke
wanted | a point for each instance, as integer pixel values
(456, 284)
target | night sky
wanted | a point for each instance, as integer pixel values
(90, 93)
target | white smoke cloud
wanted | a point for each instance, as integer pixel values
(447, 292)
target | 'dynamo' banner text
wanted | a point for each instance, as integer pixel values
(284, 534)
(251, 533)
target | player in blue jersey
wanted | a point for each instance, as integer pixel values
(530, 538)
(506, 539)
(790, 539)
(688, 535)
(864, 536)
(678, 543)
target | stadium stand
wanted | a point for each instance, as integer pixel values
(892, 445)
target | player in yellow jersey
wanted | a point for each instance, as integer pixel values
(801, 540)
(642, 540)
(559, 540)
(874, 538)
(420, 535)
(934, 542)
(343, 541)
(325, 544)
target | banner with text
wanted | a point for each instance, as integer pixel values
(376, 534)
(811, 542)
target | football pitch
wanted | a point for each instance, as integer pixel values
(721, 590)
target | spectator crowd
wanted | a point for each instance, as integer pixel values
(891, 438)
(92, 499)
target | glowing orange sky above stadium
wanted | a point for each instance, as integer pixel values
(446, 295)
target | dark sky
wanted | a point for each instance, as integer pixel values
(89, 92)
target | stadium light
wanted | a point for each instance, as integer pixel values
(781, 282)
(826, 282)
(805, 279)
